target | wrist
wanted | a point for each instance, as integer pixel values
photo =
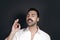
(12, 32)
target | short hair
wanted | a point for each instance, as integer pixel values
(33, 9)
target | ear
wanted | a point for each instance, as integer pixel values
(37, 19)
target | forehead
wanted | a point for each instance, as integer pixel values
(32, 12)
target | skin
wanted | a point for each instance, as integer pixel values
(31, 24)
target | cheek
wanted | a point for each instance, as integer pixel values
(34, 19)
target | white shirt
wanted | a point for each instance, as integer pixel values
(25, 34)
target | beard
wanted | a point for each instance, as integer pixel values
(32, 24)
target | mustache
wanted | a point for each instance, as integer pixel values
(30, 19)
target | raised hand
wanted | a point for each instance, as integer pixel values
(16, 26)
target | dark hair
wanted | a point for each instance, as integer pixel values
(34, 10)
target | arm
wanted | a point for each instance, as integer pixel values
(15, 28)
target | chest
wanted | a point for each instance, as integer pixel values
(28, 36)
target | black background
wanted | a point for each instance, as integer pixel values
(12, 9)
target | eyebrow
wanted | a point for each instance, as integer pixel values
(32, 14)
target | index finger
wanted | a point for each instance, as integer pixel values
(16, 20)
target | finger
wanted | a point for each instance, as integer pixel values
(16, 20)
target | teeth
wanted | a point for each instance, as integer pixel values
(29, 21)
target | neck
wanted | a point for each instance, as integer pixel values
(33, 29)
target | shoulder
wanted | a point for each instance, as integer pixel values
(45, 35)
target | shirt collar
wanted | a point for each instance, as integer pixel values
(39, 31)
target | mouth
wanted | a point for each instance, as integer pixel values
(29, 20)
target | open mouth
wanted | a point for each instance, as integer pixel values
(29, 21)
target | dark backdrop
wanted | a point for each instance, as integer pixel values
(49, 15)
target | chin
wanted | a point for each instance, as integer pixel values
(29, 25)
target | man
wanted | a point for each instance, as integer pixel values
(32, 32)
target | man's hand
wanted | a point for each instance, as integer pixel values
(15, 27)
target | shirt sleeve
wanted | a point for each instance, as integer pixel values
(17, 34)
(14, 38)
(48, 37)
